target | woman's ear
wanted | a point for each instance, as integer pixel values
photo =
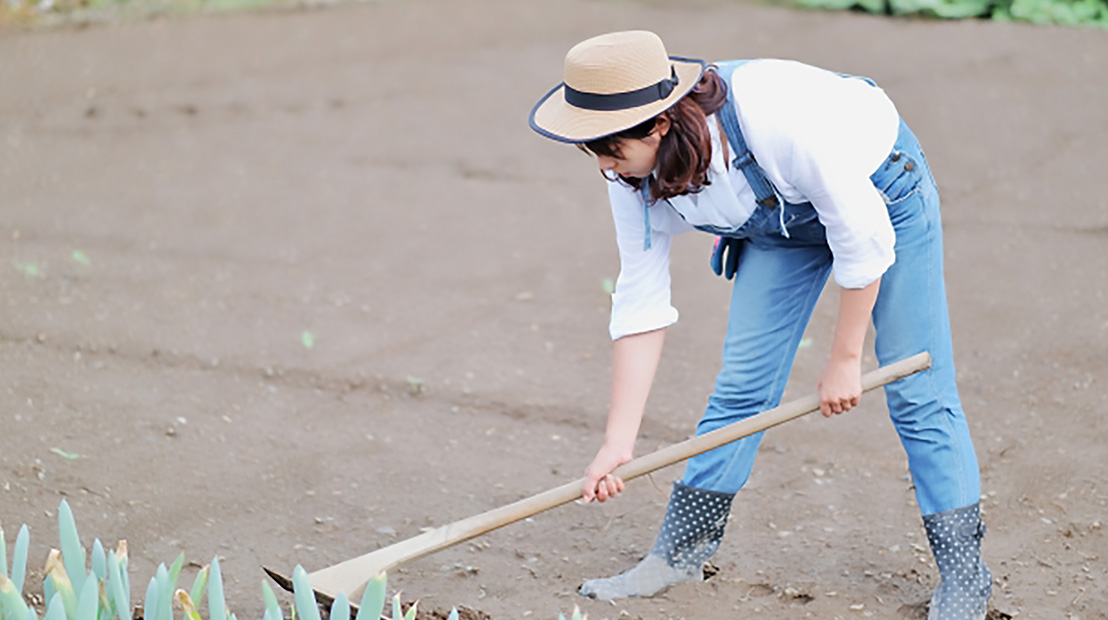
(662, 125)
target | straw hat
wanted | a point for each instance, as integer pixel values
(613, 82)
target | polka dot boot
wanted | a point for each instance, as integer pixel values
(691, 533)
(955, 537)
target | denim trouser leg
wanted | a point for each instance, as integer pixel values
(911, 316)
(776, 288)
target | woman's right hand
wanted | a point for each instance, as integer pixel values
(600, 484)
(634, 360)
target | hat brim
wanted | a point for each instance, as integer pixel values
(558, 120)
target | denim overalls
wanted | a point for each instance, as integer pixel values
(784, 265)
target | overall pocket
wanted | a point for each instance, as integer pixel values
(898, 177)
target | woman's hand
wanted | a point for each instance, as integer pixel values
(634, 360)
(599, 483)
(840, 387)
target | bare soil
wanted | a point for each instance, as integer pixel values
(183, 199)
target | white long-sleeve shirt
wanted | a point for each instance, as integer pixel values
(818, 137)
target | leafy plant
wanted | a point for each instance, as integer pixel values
(79, 587)
(1066, 12)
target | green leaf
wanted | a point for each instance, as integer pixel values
(48, 590)
(187, 605)
(73, 554)
(30, 270)
(164, 609)
(873, 6)
(396, 612)
(608, 285)
(199, 586)
(907, 7)
(115, 584)
(11, 599)
(411, 611)
(19, 558)
(3, 554)
(99, 562)
(121, 557)
(373, 599)
(170, 586)
(56, 609)
(307, 338)
(454, 614)
(272, 607)
(81, 257)
(306, 604)
(59, 580)
(106, 608)
(340, 607)
(217, 605)
(150, 603)
(175, 569)
(70, 456)
(960, 9)
(89, 602)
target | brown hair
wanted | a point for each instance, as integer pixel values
(685, 151)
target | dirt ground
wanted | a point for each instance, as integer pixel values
(183, 199)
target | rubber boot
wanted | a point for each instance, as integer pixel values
(955, 537)
(690, 534)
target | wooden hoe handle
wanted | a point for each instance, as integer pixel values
(352, 575)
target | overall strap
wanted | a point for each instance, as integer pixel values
(644, 189)
(743, 158)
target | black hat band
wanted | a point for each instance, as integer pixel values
(608, 102)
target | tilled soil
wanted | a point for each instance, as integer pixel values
(291, 286)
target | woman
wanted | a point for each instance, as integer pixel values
(800, 173)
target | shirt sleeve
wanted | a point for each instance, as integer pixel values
(852, 211)
(824, 135)
(641, 301)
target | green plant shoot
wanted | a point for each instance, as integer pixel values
(305, 598)
(199, 586)
(3, 554)
(73, 554)
(217, 605)
(150, 605)
(340, 607)
(373, 599)
(89, 602)
(19, 558)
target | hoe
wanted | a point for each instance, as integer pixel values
(351, 576)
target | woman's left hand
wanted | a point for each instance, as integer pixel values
(840, 387)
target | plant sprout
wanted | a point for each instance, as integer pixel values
(81, 585)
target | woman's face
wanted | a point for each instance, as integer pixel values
(636, 156)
